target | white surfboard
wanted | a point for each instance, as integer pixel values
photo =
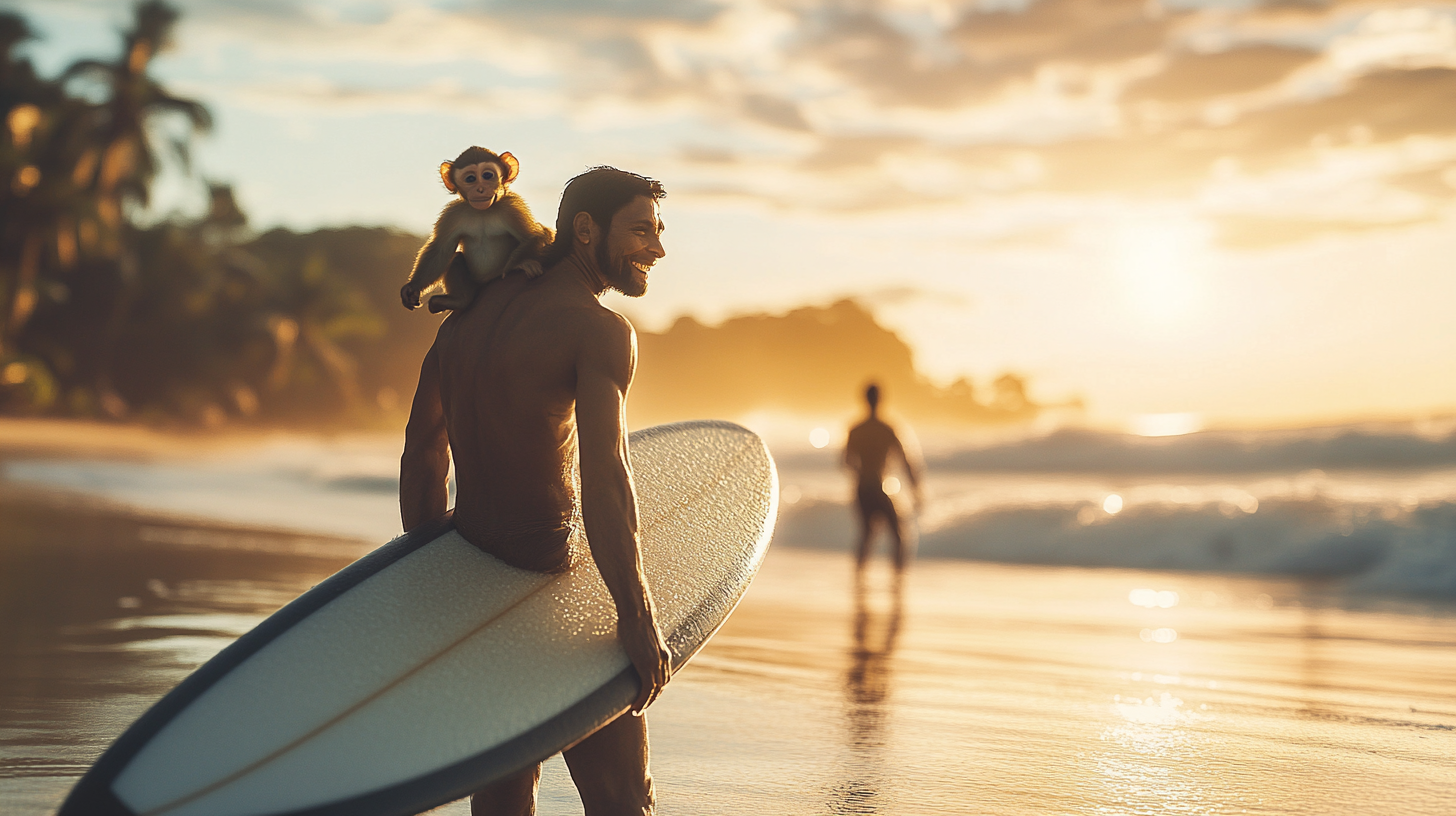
(428, 668)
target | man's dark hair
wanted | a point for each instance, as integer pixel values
(599, 192)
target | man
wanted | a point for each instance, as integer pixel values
(867, 453)
(523, 384)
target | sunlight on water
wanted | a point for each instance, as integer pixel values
(1166, 424)
(1149, 598)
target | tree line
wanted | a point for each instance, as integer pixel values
(199, 320)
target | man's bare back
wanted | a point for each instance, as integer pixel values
(508, 383)
(525, 386)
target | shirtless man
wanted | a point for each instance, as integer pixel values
(867, 453)
(521, 386)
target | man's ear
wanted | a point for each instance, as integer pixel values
(584, 228)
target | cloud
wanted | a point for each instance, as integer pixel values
(1195, 77)
(1386, 105)
(1076, 30)
(780, 113)
(1249, 233)
(875, 104)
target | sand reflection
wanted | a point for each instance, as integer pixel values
(867, 689)
(102, 612)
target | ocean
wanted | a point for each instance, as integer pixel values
(1370, 506)
(1217, 623)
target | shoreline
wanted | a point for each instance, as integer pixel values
(76, 517)
(22, 437)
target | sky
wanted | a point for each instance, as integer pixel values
(1237, 212)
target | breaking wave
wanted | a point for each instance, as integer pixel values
(1403, 446)
(1371, 547)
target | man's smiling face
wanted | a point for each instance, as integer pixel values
(632, 246)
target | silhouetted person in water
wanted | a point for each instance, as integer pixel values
(867, 453)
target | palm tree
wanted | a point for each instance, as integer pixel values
(20, 90)
(124, 162)
(128, 162)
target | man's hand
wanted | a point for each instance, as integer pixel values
(648, 652)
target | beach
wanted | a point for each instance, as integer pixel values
(971, 687)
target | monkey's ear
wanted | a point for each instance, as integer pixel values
(446, 171)
(512, 167)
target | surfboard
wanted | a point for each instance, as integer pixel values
(428, 668)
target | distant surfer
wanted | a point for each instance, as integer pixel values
(868, 451)
(522, 386)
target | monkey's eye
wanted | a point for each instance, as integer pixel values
(487, 175)
(469, 178)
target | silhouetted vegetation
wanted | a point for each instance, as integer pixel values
(102, 317)
(813, 360)
(203, 322)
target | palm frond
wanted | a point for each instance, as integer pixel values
(154, 20)
(83, 67)
(195, 112)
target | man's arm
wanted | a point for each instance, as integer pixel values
(605, 364)
(851, 452)
(912, 469)
(424, 469)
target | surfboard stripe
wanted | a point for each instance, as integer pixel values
(244, 771)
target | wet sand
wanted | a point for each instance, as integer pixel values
(974, 688)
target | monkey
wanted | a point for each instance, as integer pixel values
(491, 225)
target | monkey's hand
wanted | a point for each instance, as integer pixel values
(409, 295)
(532, 268)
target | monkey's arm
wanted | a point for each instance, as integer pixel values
(435, 255)
(425, 466)
(531, 236)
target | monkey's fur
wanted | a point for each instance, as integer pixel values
(491, 226)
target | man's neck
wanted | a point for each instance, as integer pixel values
(584, 268)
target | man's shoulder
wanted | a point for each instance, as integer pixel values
(577, 308)
(873, 427)
(870, 424)
(574, 312)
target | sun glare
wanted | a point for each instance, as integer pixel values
(819, 437)
(1158, 261)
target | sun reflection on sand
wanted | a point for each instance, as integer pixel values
(867, 691)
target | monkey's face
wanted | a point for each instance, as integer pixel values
(633, 244)
(479, 184)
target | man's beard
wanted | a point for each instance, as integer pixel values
(619, 275)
